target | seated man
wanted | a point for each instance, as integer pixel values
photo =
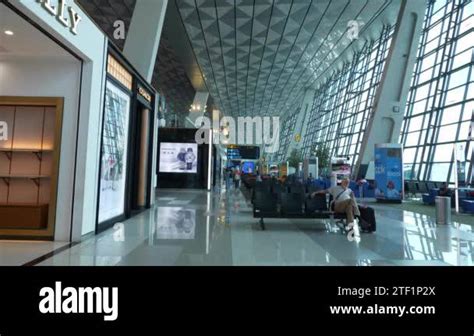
(344, 201)
(444, 190)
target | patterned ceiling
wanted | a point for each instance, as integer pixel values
(259, 56)
(169, 76)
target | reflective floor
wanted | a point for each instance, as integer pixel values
(17, 253)
(199, 228)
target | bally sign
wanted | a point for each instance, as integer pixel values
(59, 11)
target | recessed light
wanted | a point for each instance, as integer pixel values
(9, 32)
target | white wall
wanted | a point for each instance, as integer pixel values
(91, 45)
(36, 77)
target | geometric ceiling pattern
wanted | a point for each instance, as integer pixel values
(259, 56)
(169, 76)
(106, 12)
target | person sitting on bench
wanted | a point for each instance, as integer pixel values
(444, 190)
(343, 201)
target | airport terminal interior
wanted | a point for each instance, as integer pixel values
(236, 133)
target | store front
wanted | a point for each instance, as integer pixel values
(52, 61)
(127, 151)
(80, 126)
(40, 92)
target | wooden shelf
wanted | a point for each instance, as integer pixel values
(24, 216)
(25, 150)
(26, 205)
(38, 152)
(25, 176)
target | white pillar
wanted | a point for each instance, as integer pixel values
(143, 38)
(389, 104)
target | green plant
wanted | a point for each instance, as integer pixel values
(295, 158)
(323, 153)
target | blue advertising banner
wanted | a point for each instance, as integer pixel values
(388, 172)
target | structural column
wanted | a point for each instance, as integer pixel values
(144, 34)
(302, 121)
(386, 121)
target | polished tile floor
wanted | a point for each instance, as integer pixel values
(17, 253)
(188, 227)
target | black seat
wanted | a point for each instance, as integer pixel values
(313, 188)
(422, 188)
(265, 203)
(297, 188)
(277, 188)
(430, 185)
(412, 188)
(292, 204)
(318, 203)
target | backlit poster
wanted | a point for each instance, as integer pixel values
(178, 158)
(114, 153)
(340, 168)
(388, 172)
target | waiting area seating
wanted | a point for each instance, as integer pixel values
(467, 205)
(430, 190)
(274, 200)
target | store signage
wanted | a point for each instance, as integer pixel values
(58, 9)
(144, 93)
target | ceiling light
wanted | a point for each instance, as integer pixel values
(9, 33)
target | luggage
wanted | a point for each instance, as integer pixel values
(367, 221)
(318, 203)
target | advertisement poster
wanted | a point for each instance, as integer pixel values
(388, 172)
(460, 164)
(340, 168)
(176, 223)
(178, 158)
(114, 153)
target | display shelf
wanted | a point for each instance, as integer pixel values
(24, 216)
(29, 164)
(27, 150)
(37, 152)
(18, 204)
(25, 176)
(35, 178)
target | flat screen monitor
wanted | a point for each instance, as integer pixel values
(243, 153)
(178, 158)
(248, 167)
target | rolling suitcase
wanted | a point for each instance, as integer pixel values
(367, 219)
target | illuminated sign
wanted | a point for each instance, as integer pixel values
(144, 93)
(59, 11)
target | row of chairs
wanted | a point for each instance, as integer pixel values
(288, 188)
(418, 187)
(290, 201)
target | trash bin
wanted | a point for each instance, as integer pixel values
(443, 210)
